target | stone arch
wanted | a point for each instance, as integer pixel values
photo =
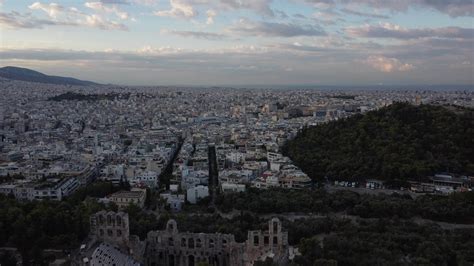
(171, 226)
(191, 260)
(274, 226)
(256, 240)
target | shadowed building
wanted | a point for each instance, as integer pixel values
(272, 244)
(174, 248)
(110, 227)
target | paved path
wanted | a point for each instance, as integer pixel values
(331, 188)
(341, 215)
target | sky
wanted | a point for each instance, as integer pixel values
(243, 42)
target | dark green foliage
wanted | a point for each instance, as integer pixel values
(141, 222)
(458, 208)
(402, 142)
(7, 258)
(32, 226)
(388, 242)
(96, 190)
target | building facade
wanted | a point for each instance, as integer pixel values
(110, 227)
(174, 248)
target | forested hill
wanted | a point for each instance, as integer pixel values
(400, 141)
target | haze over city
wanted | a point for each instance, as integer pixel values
(230, 42)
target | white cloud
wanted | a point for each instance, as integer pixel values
(101, 7)
(179, 9)
(97, 21)
(210, 16)
(196, 34)
(57, 16)
(189, 8)
(53, 9)
(389, 30)
(453, 8)
(387, 64)
(274, 29)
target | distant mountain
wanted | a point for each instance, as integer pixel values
(24, 74)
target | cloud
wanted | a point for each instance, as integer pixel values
(101, 7)
(115, 2)
(179, 9)
(387, 65)
(189, 8)
(363, 14)
(15, 20)
(210, 16)
(274, 29)
(260, 6)
(453, 8)
(97, 21)
(57, 16)
(309, 61)
(128, 2)
(196, 34)
(388, 30)
(53, 9)
(327, 16)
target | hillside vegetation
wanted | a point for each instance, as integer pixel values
(400, 141)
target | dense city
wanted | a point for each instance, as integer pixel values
(170, 152)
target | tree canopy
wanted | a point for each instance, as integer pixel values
(398, 142)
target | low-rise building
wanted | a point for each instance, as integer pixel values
(193, 195)
(174, 201)
(145, 179)
(231, 187)
(125, 198)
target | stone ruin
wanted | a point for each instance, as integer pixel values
(169, 247)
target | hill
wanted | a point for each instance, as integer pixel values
(400, 141)
(24, 74)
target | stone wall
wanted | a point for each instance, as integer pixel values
(110, 227)
(272, 243)
(174, 248)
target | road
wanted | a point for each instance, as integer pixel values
(292, 216)
(363, 190)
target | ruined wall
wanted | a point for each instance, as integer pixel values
(110, 227)
(272, 243)
(172, 248)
